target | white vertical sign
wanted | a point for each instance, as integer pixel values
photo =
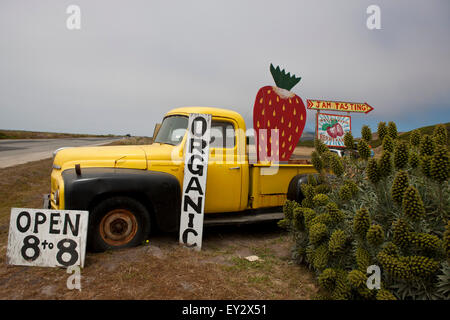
(194, 183)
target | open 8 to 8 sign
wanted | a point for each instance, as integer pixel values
(47, 238)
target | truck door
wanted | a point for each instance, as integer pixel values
(223, 184)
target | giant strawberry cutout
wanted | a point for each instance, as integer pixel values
(280, 113)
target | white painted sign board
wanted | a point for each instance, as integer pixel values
(194, 183)
(47, 238)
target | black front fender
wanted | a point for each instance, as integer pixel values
(160, 191)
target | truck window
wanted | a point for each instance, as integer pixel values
(172, 131)
(222, 135)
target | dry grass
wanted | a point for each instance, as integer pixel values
(160, 270)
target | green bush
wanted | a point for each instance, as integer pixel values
(393, 213)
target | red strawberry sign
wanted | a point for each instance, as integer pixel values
(331, 128)
(334, 129)
(279, 117)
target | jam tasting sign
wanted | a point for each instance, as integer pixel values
(194, 183)
(47, 238)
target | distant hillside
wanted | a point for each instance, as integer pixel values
(406, 135)
(22, 134)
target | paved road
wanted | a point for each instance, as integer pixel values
(13, 152)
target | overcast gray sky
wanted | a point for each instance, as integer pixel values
(132, 61)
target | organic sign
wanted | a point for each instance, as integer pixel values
(331, 128)
(339, 106)
(47, 238)
(194, 183)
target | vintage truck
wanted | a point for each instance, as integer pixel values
(129, 190)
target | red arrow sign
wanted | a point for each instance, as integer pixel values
(339, 106)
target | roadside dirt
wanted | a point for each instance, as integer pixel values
(160, 269)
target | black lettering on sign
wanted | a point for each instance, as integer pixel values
(199, 168)
(199, 123)
(185, 236)
(70, 249)
(196, 206)
(197, 187)
(73, 228)
(198, 145)
(191, 220)
(33, 245)
(19, 226)
(39, 218)
(54, 220)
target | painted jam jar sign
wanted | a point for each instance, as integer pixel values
(47, 238)
(194, 183)
(331, 129)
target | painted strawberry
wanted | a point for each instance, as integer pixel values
(334, 129)
(278, 112)
(339, 130)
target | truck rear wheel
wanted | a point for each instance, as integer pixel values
(117, 222)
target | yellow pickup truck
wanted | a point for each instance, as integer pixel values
(129, 190)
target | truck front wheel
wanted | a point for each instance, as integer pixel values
(117, 222)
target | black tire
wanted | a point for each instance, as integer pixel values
(294, 190)
(117, 222)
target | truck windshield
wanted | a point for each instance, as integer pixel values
(172, 130)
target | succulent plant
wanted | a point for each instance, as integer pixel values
(385, 164)
(384, 294)
(425, 165)
(362, 258)
(392, 130)
(337, 242)
(352, 186)
(375, 235)
(361, 222)
(412, 204)
(414, 159)
(363, 149)
(440, 165)
(373, 171)
(336, 165)
(334, 213)
(320, 199)
(320, 146)
(316, 160)
(345, 193)
(388, 144)
(357, 279)
(409, 241)
(427, 145)
(320, 257)
(400, 184)
(440, 135)
(414, 138)
(401, 233)
(327, 279)
(366, 133)
(349, 141)
(447, 239)
(401, 155)
(382, 130)
(425, 241)
(317, 232)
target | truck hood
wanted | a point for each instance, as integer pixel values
(132, 157)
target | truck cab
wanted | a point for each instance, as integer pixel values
(128, 190)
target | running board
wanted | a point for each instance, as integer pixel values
(237, 219)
